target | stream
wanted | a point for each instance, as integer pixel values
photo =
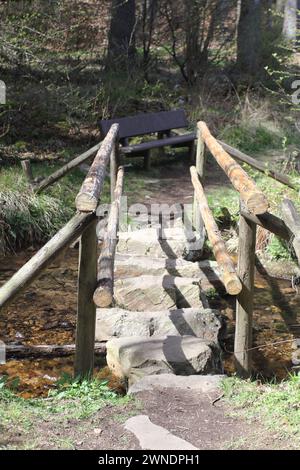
(46, 314)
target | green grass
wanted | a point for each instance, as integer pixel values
(28, 219)
(70, 400)
(275, 405)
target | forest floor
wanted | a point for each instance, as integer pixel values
(74, 421)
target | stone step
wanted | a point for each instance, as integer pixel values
(158, 293)
(153, 437)
(206, 272)
(115, 323)
(132, 358)
(175, 243)
(204, 384)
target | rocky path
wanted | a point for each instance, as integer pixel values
(162, 322)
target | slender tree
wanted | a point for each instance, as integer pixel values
(121, 38)
(249, 40)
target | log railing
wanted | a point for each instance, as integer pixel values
(253, 212)
(82, 225)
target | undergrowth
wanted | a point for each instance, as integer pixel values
(275, 405)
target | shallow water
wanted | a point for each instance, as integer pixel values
(46, 314)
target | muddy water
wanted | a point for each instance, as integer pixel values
(46, 314)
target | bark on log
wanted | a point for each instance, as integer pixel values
(269, 222)
(30, 271)
(200, 167)
(242, 157)
(88, 196)
(254, 199)
(66, 169)
(86, 310)
(47, 350)
(104, 294)
(292, 220)
(228, 274)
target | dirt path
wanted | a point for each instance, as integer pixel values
(189, 415)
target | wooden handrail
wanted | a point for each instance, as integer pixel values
(66, 169)
(228, 274)
(242, 157)
(88, 196)
(253, 197)
(103, 295)
(48, 253)
(292, 220)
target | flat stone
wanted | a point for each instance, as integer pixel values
(200, 383)
(157, 293)
(175, 243)
(207, 272)
(116, 322)
(153, 437)
(134, 357)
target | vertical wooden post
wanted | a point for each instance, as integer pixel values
(200, 165)
(114, 157)
(244, 304)
(147, 160)
(27, 170)
(86, 309)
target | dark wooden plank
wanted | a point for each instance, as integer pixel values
(172, 141)
(147, 123)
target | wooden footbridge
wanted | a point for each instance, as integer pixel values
(96, 277)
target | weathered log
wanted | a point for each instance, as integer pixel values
(103, 295)
(113, 169)
(292, 220)
(269, 222)
(26, 166)
(200, 167)
(227, 270)
(86, 309)
(263, 168)
(66, 169)
(47, 350)
(253, 197)
(88, 196)
(244, 304)
(30, 271)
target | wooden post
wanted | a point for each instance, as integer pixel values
(244, 304)
(113, 170)
(86, 309)
(27, 170)
(147, 160)
(255, 200)
(104, 294)
(200, 167)
(227, 270)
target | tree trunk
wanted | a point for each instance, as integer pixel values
(249, 37)
(121, 39)
(290, 20)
